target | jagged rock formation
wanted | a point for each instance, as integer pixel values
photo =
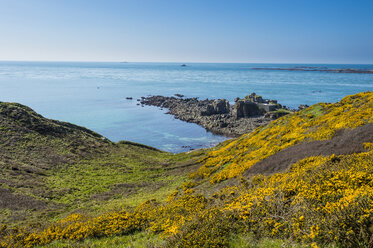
(218, 116)
(244, 109)
(220, 106)
(253, 105)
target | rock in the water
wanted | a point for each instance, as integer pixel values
(254, 98)
(221, 106)
(209, 110)
(245, 109)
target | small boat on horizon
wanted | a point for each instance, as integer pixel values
(183, 65)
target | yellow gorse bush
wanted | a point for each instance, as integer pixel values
(77, 227)
(307, 125)
(318, 199)
(151, 215)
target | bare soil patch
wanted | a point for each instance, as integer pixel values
(345, 141)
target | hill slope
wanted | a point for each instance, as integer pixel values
(305, 177)
(49, 168)
(318, 122)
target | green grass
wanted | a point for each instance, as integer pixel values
(282, 111)
(122, 179)
(248, 240)
(89, 177)
(147, 239)
(136, 240)
(315, 110)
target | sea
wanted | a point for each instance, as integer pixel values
(94, 95)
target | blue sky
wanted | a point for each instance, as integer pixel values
(278, 31)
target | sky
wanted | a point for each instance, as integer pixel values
(242, 31)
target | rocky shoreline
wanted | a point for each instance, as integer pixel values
(218, 116)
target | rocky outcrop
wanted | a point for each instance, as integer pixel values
(218, 116)
(245, 109)
(253, 105)
(220, 106)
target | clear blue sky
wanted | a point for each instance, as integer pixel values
(296, 31)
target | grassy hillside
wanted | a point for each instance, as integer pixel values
(50, 168)
(303, 180)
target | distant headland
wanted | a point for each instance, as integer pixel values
(319, 69)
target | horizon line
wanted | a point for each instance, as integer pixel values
(181, 62)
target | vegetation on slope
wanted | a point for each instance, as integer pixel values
(319, 122)
(50, 168)
(319, 200)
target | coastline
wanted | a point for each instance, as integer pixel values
(48, 87)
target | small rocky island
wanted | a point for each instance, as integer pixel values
(218, 116)
(319, 69)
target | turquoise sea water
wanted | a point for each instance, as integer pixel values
(93, 94)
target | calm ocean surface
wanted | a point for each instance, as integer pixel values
(93, 94)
